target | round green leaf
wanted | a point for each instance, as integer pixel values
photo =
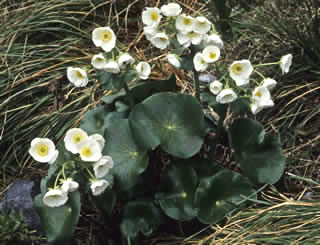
(260, 156)
(59, 223)
(173, 121)
(245, 133)
(218, 195)
(98, 119)
(105, 202)
(140, 216)
(93, 120)
(176, 198)
(265, 163)
(130, 160)
(240, 105)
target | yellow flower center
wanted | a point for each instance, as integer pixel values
(212, 55)
(237, 68)
(154, 16)
(79, 75)
(86, 151)
(187, 21)
(202, 62)
(162, 39)
(258, 94)
(77, 138)
(106, 36)
(42, 150)
(201, 23)
(192, 34)
(99, 60)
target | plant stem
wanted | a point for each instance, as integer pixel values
(218, 134)
(260, 74)
(267, 64)
(129, 97)
(56, 181)
(196, 84)
(91, 175)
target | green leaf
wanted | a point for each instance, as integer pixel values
(260, 156)
(209, 98)
(93, 121)
(105, 79)
(186, 62)
(244, 134)
(59, 223)
(240, 105)
(98, 119)
(140, 216)
(105, 202)
(130, 159)
(220, 194)
(142, 90)
(179, 183)
(162, 120)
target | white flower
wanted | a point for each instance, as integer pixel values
(183, 39)
(98, 61)
(43, 150)
(54, 157)
(143, 70)
(240, 71)
(89, 150)
(55, 198)
(160, 40)
(202, 25)
(185, 23)
(213, 39)
(124, 60)
(102, 167)
(150, 31)
(174, 60)
(104, 37)
(187, 38)
(211, 54)
(99, 186)
(269, 83)
(151, 17)
(69, 185)
(77, 76)
(285, 63)
(112, 67)
(99, 138)
(171, 9)
(215, 87)
(262, 99)
(226, 96)
(73, 137)
(199, 62)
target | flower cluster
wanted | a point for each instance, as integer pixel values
(180, 30)
(89, 148)
(184, 30)
(240, 73)
(111, 61)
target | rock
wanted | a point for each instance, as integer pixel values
(207, 78)
(19, 196)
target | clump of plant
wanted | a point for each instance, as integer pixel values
(12, 227)
(109, 156)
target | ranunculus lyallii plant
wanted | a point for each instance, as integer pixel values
(109, 155)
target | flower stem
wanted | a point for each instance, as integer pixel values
(196, 84)
(260, 74)
(56, 181)
(129, 96)
(218, 134)
(267, 64)
(91, 175)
